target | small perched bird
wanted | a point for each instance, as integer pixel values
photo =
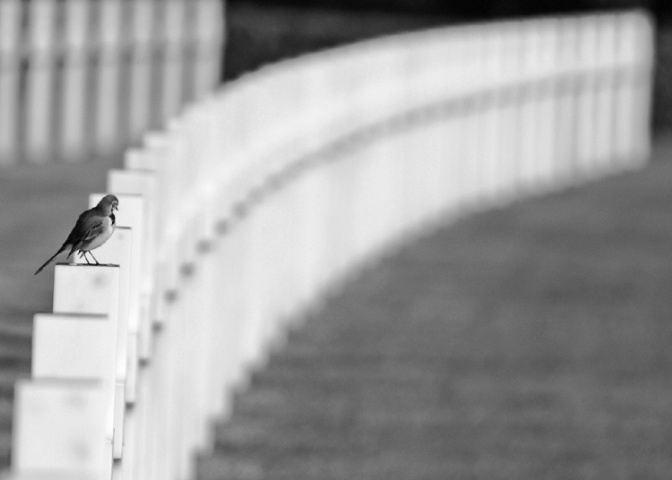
(92, 229)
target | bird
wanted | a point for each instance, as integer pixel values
(93, 228)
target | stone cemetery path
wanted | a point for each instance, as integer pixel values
(525, 343)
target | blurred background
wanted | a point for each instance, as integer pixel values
(547, 356)
(263, 31)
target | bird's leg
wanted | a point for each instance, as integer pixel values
(93, 257)
(83, 254)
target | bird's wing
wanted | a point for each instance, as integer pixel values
(95, 229)
(89, 225)
(80, 227)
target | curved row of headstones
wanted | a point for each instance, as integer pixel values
(258, 200)
(86, 77)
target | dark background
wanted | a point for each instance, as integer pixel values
(265, 31)
(472, 8)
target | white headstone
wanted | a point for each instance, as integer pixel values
(69, 346)
(144, 183)
(59, 427)
(90, 289)
(131, 215)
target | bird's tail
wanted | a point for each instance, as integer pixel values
(49, 261)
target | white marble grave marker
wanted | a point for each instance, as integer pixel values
(58, 427)
(91, 289)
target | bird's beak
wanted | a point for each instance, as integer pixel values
(114, 207)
